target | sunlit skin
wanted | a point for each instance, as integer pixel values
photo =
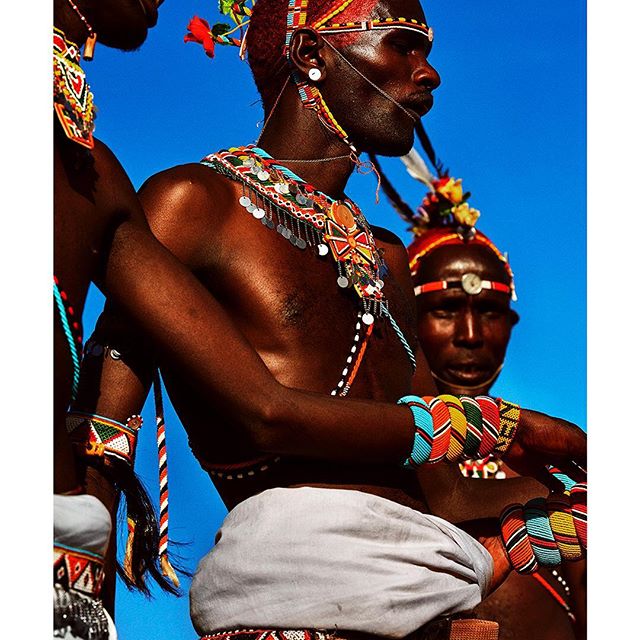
(282, 325)
(465, 338)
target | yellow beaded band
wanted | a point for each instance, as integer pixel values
(458, 427)
(509, 420)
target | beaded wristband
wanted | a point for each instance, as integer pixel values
(441, 429)
(509, 420)
(563, 477)
(564, 531)
(473, 414)
(578, 499)
(458, 427)
(95, 435)
(490, 425)
(423, 438)
(516, 541)
(540, 535)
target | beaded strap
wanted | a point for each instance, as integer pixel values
(509, 420)
(490, 425)
(423, 438)
(516, 540)
(458, 427)
(77, 570)
(95, 435)
(578, 499)
(441, 429)
(473, 413)
(72, 332)
(540, 534)
(564, 531)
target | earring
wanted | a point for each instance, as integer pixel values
(89, 46)
(314, 74)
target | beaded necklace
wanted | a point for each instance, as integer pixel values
(72, 97)
(305, 217)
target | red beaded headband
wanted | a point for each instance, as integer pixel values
(470, 283)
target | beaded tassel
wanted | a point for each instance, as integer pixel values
(165, 565)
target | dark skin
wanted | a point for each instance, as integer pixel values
(465, 338)
(281, 313)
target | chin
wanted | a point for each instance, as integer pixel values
(392, 146)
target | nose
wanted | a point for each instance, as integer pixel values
(468, 330)
(426, 76)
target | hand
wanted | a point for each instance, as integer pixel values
(542, 440)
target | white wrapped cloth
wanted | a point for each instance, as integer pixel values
(334, 559)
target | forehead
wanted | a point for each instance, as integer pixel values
(399, 9)
(452, 261)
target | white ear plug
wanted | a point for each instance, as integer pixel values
(314, 74)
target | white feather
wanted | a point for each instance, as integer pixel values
(417, 168)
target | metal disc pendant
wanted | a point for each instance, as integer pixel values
(302, 244)
(301, 200)
(293, 240)
(270, 223)
(258, 213)
(286, 233)
(323, 249)
(343, 282)
(367, 318)
(245, 201)
(251, 207)
(263, 175)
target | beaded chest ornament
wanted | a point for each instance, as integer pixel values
(72, 98)
(307, 218)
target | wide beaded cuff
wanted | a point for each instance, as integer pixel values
(459, 428)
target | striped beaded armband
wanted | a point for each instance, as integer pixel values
(458, 427)
(423, 438)
(509, 420)
(546, 532)
(97, 436)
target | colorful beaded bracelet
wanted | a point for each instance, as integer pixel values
(545, 532)
(97, 436)
(459, 428)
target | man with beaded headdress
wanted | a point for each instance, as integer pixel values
(326, 530)
(463, 286)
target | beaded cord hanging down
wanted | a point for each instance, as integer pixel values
(72, 331)
(163, 474)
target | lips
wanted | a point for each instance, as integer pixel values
(420, 107)
(468, 372)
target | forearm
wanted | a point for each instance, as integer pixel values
(456, 498)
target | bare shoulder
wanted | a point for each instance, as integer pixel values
(395, 253)
(192, 187)
(186, 207)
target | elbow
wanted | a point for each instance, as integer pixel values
(267, 424)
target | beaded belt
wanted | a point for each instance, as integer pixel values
(77, 570)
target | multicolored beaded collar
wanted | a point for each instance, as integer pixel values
(72, 97)
(305, 217)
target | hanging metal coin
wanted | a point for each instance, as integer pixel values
(367, 318)
(302, 244)
(323, 249)
(343, 282)
(258, 213)
(245, 201)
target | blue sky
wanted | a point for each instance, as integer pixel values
(509, 118)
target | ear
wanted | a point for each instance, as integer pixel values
(515, 318)
(307, 52)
